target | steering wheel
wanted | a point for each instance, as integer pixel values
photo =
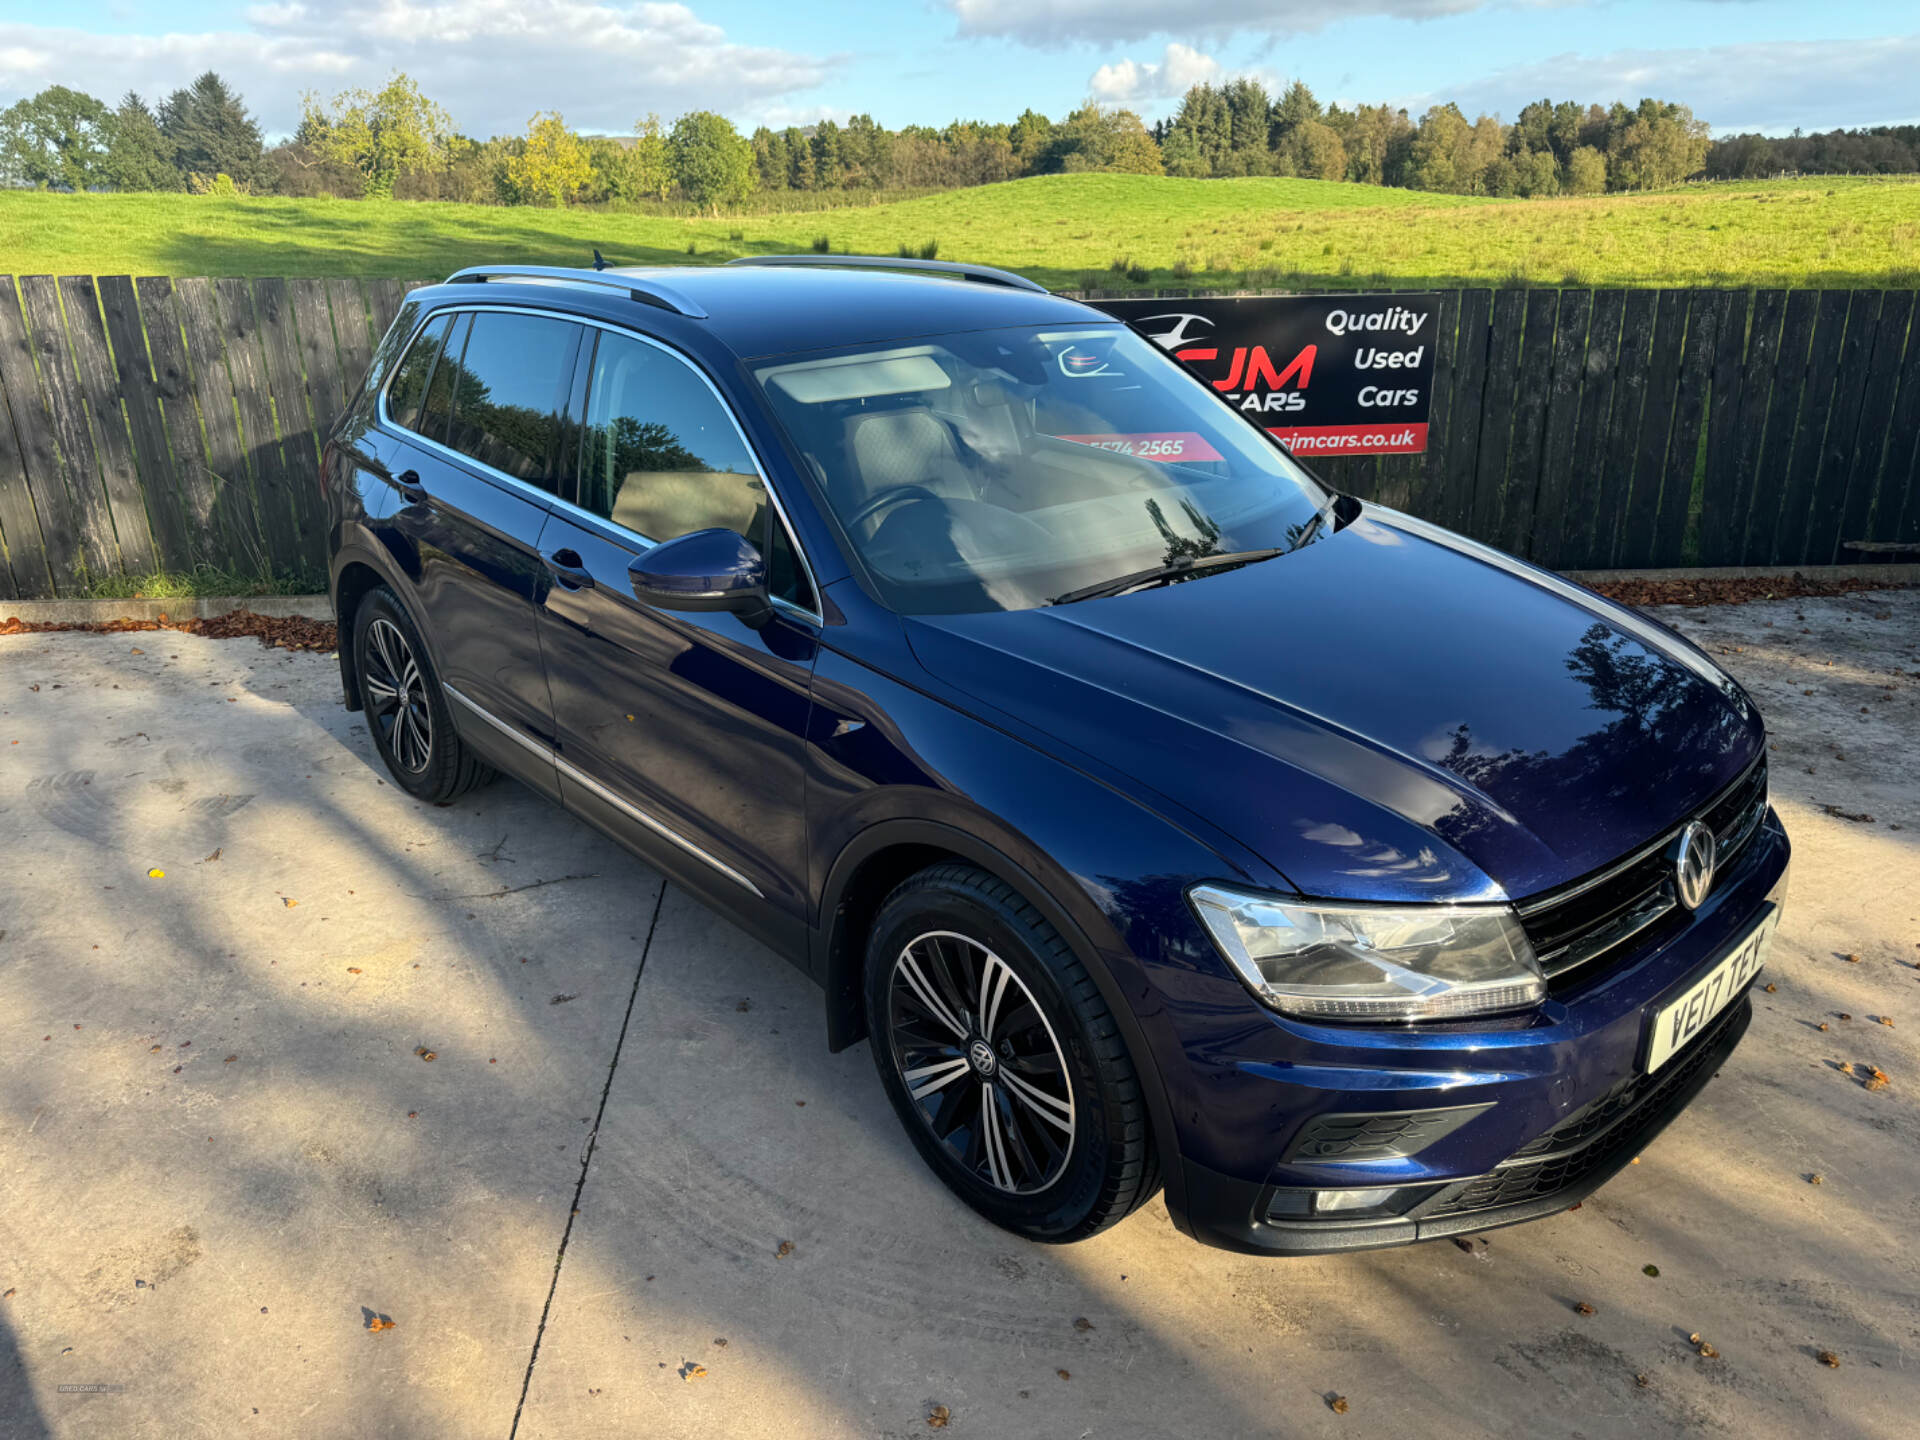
(885, 496)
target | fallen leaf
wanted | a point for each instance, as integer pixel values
(1878, 1079)
(424, 1053)
(1338, 1404)
(1642, 1381)
(1081, 1322)
(1653, 1270)
(1887, 1020)
(353, 969)
(1824, 1025)
(1463, 1243)
(785, 1249)
(230, 1059)
(1825, 1357)
(288, 901)
(1063, 1374)
(1859, 817)
(156, 874)
(1816, 1178)
(937, 1417)
(213, 857)
(377, 1323)
(562, 999)
(1707, 1352)
(1771, 987)
(691, 1371)
(1583, 1308)
(1845, 1016)
(136, 652)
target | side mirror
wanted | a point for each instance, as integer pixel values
(704, 570)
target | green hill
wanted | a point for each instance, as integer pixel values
(1069, 231)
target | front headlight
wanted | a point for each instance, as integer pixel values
(1324, 960)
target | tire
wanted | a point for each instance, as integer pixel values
(407, 711)
(958, 961)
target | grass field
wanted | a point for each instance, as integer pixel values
(1067, 231)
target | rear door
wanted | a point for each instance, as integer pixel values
(683, 732)
(486, 448)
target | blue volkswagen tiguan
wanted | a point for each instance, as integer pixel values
(1160, 817)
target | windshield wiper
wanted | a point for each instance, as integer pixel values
(1164, 574)
(1319, 518)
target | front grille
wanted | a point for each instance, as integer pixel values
(1580, 924)
(1595, 1136)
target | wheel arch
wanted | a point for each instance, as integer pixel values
(357, 572)
(877, 859)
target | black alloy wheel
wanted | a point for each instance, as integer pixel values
(981, 1062)
(395, 689)
(407, 711)
(999, 1054)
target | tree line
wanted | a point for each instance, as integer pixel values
(396, 142)
(1876, 150)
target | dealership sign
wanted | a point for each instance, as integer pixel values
(1328, 375)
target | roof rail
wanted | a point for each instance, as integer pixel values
(646, 291)
(985, 274)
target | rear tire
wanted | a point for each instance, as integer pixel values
(407, 711)
(1002, 1059)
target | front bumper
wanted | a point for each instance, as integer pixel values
(1553, 1108)
(1525, 1187)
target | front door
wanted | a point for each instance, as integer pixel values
(682, 732)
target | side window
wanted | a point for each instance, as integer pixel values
(508, 392)
(410, 379)
(437, 409)
(661, 455)
(786, 580)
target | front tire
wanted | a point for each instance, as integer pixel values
(1002, 1059)
(407, 711)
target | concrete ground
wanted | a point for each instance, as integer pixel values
(350, 1060)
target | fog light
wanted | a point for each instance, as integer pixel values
(1329, 1202)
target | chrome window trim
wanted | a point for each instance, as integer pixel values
(580, 777)
(619, 534)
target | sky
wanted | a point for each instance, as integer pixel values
(1767, 65)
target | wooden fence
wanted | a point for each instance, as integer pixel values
(168, 424)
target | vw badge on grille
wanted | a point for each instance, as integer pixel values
(1693, 864)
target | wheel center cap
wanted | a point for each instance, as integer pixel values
(980, 1055)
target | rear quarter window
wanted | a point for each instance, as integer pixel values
(410, 377)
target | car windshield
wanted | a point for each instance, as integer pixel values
(1005, 469)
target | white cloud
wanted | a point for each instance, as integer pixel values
(779, 117)
(1181, 67)
(1772, 86)
(492, 63)
(1059, 23)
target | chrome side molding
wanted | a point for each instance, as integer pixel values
(587, 782)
